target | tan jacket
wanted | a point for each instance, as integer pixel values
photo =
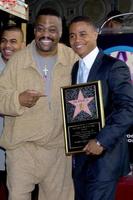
(39, 124)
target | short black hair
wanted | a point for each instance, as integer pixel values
(86, 19)
(48, 11)
(113, 13)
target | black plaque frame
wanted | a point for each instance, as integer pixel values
(83, 114)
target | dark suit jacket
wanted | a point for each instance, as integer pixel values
(118, 106)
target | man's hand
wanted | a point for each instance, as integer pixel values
(93, 148)
(28, 98)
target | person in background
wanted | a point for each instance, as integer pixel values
(30, 100)
(104, 160)
(115, 24)
(11, 40)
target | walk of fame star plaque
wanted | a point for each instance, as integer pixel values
(83, 114)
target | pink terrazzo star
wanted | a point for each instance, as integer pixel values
(81, 104)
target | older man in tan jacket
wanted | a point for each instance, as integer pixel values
(30, 99)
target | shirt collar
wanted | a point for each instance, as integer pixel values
(90, 58)
(60, 56)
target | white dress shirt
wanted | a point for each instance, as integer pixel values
(88, 60)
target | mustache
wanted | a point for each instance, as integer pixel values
(48, 38)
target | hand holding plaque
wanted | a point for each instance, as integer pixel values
(83, 114)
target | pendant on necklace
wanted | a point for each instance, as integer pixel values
(45, 70)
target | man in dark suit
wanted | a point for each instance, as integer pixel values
(97, 170)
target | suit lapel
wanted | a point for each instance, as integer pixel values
(95, 67)
(75, 72)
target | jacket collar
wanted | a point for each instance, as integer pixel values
(96, 65)
(94, 69)
(60, 56)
